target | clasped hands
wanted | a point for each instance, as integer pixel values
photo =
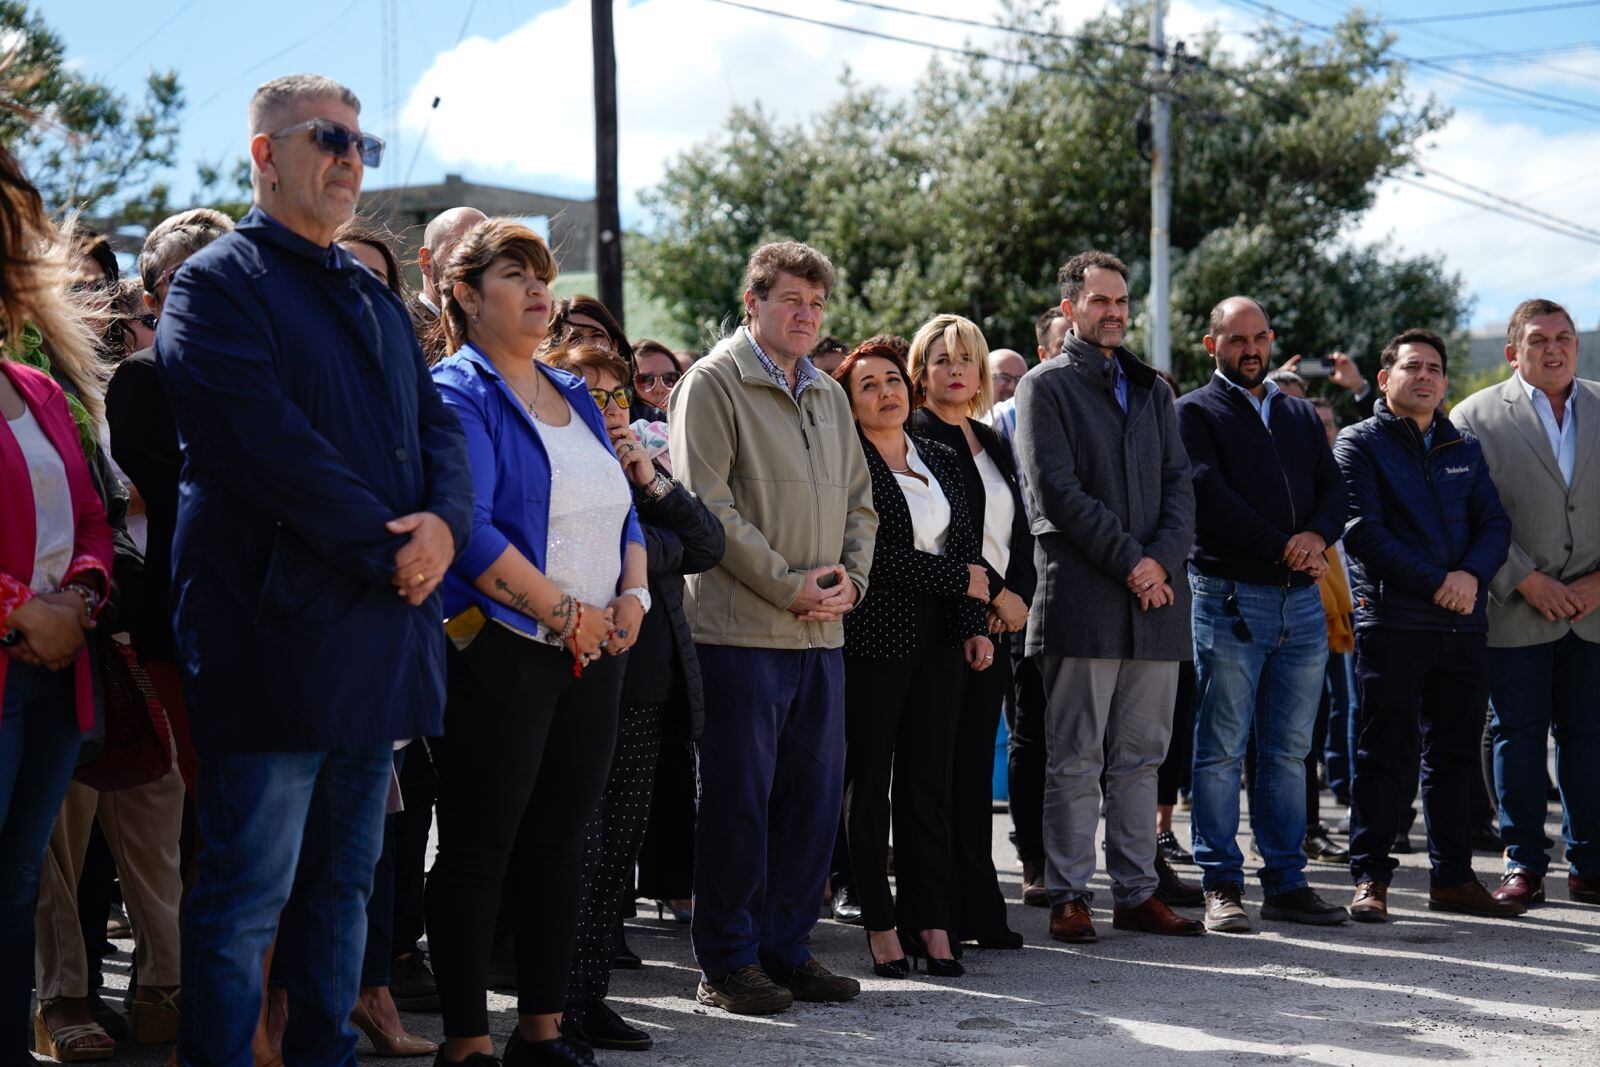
(420, 564)
(1149, 582)
(1555, 599)
(820, 603)
(52, 627)
(1304, 553)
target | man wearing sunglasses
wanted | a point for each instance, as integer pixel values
(323, 492)
(1269, 500)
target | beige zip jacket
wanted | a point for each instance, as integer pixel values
(788, 481)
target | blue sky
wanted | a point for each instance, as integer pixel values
(515, 97)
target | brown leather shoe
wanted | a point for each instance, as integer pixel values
(1471, 898)
(1371, 903)
(1583, 889)
(1521, 886)
(1154, 917)
(1033, 891)
(1070, 922)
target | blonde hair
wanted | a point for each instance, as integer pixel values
(960, 336)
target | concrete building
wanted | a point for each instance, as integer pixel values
(1488, 351)
(406, 211)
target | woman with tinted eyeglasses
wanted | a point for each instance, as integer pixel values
(656, 372)
(681, 537)
(545, 595)
(949, 368)
(903, 655)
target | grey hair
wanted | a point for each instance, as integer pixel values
(177, 238)
(277, 96)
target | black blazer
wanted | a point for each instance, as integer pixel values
(1019, 577)
(681, 536)
(901, 573)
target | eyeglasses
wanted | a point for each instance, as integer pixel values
(648, 381)
(147, 320)
(621, 394)
(335, 140)
(1006, 379)
(1241, 629)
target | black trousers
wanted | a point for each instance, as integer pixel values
(981, 908)
(666, 858)
(900, 721)
(412, 825)
(1025, 756)
(1422, 697)
(1177, 770)
(611, 844)
(528, 754)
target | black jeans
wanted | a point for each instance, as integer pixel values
(981, 909)
(900, 717)
(611, 844)
(1177, 769)
(1422, 693)
(1025, 757)
(529, 748)
(412, 825)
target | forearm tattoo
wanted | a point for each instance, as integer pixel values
(563, 617)
(514, 598)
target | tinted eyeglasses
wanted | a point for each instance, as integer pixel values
(1241, 629)
(335, 140)
(147, 320)
(648, 381)
(622, 395)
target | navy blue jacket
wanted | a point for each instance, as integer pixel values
(1415, 516)
(1255, 488)
(307, 420)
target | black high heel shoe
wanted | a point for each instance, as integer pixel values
(912, 943)
(900, 968)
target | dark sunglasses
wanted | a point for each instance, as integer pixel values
(147, 320)
(621, 395)
(335, 140)
(648, 381)
(1241, 629)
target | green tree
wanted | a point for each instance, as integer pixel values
(968, 195)
(84, 145)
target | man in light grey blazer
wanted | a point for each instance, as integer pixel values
(1540, 431)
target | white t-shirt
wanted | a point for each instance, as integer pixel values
(998, 512)
(930, 511)
(52, 504)
(589, 502)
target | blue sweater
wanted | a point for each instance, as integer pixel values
(1415, 515)
(307, 420)
(1255, 485)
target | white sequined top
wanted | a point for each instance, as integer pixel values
(52, 504)
(589, 502)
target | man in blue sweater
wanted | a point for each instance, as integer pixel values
(1426, 533)
(1268, 502)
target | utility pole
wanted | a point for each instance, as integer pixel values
(1158, 344)
(608, 218)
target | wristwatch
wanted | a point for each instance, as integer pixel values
(639, 593)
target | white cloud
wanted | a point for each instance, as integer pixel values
(1503, 261)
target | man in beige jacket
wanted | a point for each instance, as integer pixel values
(1540, 430)
(769, 445)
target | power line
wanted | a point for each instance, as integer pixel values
(1576, 235)
(1497, 13)
(422, 140)
(280, 53)
(957, 20)
(1513, 203)
(153, 35)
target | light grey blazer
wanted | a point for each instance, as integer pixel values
(1554, 529)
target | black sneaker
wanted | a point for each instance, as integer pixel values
(604, 1028)
(747, 991)
(1303, 906)
(1321, 849)
(557, 1052)
(1167, 848)
(411, 983)
(1174, 891)
(814, 983)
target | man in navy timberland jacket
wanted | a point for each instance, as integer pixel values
(1425, 534)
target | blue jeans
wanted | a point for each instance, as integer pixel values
(1273, 677)
(254, 809)
(1337, 754)
(39, 742)
(771, 761)
(1536, 691)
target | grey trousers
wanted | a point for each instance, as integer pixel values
(1114, 714)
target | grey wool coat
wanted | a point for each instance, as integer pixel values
(1104, 490)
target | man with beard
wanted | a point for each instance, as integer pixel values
(1268, 501)
(1107, 488)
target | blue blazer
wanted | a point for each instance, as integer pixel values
(307, 420)
(510, 476)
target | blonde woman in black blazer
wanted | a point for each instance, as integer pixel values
(904, 652)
